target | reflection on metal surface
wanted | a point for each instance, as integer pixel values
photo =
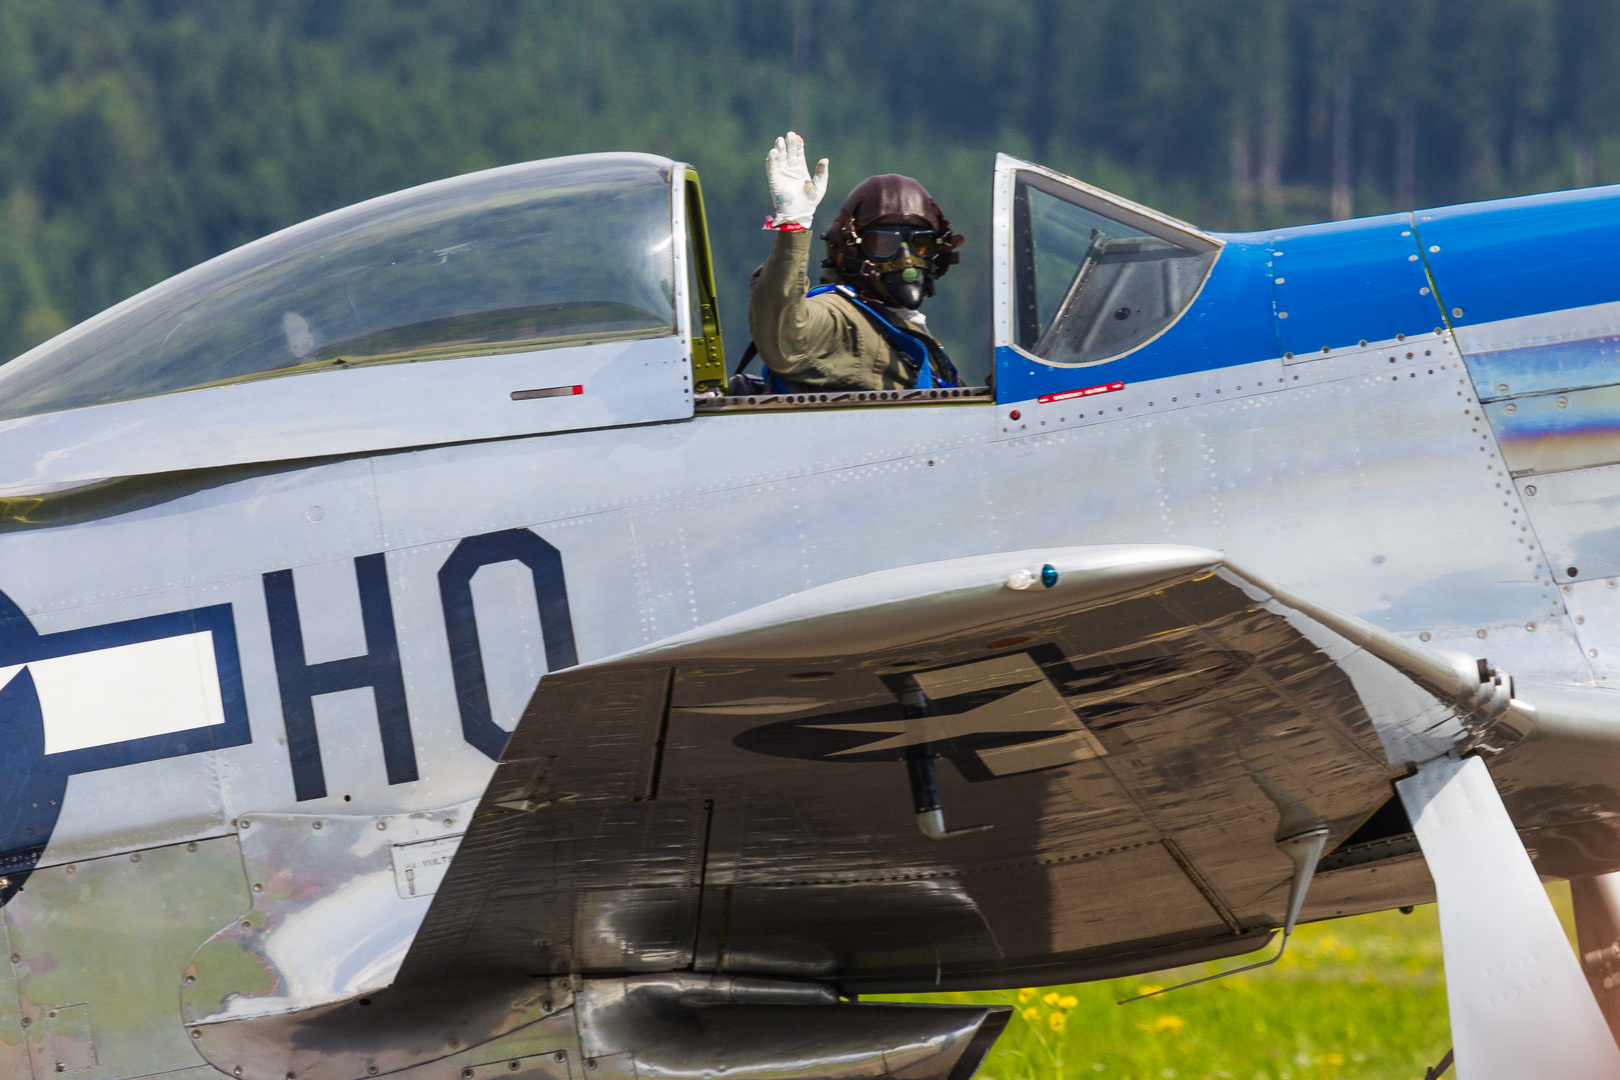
(1535, 354)
(1301, 835)
(679, 1026)
(140, 916)
(768, 706)
(572, 887)
(1576, 516)
(1335, 284)
(1027, 704)
(1116, 964)
(998, 717)
(1480, 696)
(1559, 783)
(1213, 898)
(612, 757)
(1303, 850)
(1572, 429)
(420, 1032)
(328, 921)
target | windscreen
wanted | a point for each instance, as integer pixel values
(528, 256)
(1090, 287)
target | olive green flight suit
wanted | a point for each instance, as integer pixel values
(824, 342)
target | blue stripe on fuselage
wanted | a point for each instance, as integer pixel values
(1347, 282)
(1364, 280)
(1513, 257)
(1289, 290)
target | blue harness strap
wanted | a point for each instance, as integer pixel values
(908, 343)
(774, 383)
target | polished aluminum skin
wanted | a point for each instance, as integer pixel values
(942, 693)
(667, 1026)
(329, 920)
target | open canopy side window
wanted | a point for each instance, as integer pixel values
(1083, 276)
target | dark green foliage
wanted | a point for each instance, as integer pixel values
(138, 137)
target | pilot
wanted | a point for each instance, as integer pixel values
(861, 329)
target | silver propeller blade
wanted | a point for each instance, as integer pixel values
(1520, 1007)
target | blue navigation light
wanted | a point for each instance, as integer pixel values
(1049, 575)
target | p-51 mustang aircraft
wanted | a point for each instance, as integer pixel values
(1275, 580)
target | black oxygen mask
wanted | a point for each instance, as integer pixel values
(907, 288)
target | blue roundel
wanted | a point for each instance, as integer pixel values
(1049, 575)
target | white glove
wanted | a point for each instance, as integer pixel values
(794, 192)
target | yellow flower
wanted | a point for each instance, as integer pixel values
(1333, 1059)
(1032, 1013)
(1149, 988)
(1051, 998)
(1158, 1024)
(1024, 995)
(1068, 1001)
(1056, 1021)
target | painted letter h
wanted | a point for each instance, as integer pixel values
(378, 668)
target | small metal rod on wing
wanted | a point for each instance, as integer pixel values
(916, 708)
(1305, 849)
(1301, 835)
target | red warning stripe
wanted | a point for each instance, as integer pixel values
(1105, 388)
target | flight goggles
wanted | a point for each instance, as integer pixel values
(884, 244)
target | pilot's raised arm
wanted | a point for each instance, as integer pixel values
(861, 330)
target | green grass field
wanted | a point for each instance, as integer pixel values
(1362, 998)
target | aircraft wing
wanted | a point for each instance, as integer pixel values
(1005, 770)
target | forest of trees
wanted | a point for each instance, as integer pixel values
(138, 137)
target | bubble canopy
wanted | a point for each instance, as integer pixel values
(549, 253)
